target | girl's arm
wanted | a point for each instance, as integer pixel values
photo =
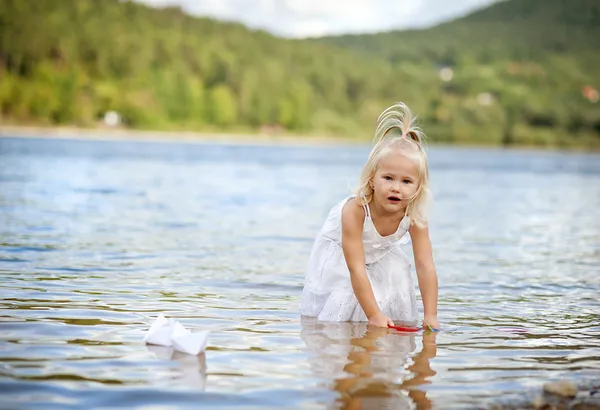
(353, 217)
(428, 281)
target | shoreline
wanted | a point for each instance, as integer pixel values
(121, 134)
(232, 138)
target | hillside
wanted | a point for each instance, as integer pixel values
(520, 71)
(514, 29)
(70, 61)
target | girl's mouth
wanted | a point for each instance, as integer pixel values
(394, 199)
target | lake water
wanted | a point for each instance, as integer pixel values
(98, 237)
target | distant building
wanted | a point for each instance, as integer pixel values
(485, 99)
(112, 119)
(446, 73)
(590, 93)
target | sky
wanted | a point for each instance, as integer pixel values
(313, 18)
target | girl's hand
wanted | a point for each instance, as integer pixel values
(432, 321)
(380, 320)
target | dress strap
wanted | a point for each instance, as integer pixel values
(367, 210)
(366, 205)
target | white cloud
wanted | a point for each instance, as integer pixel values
(313, 28)
(302, 18)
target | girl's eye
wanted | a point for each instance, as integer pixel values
(406, 181)
(387, 178)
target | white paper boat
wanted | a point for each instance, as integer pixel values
(192, 343)
(177, 330)
(160, 332)
(169, 332)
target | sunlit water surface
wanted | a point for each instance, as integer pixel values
(97, 238)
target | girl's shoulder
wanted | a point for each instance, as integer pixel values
(353, 212)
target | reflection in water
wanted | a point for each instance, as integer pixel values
(370, 367)
(191, 370)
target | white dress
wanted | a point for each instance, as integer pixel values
(328, 294)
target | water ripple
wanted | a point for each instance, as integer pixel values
(97, 238)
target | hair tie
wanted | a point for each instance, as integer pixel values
(403, 134)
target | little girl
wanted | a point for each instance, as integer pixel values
(357, 271)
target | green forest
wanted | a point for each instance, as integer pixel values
(520, 72)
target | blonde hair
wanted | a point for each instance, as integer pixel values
(397, 132)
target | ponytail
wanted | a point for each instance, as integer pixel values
(397, 122)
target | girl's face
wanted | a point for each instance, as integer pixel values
(395, 182)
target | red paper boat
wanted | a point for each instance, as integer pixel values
(404, 329)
